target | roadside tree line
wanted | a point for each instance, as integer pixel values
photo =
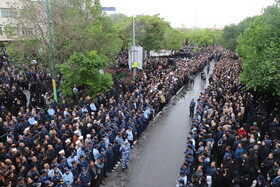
(85, 36)
(257, 42)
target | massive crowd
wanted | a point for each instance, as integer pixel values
(234, 137)
(77, 143)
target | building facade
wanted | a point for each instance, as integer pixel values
(8, 13)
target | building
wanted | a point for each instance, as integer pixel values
(8, 13)
(217, 29)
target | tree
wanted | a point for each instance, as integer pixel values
(150, 32)
(202, 37)
(117, 18)
(76, 25)
(24, 51)
(231, 32)
(82, 70)
(174, 39)
(259, 48)
(229, 38)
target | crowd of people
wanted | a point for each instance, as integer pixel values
(78, 143)
(234, 136)
(122, 60)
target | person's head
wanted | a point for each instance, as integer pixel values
(76, 179)
(56, 172)
(199, 168)
(213, 164)
(20, 181)
(47, 137)
(32, 167)
(23, 159)
(50, 147)
(277, 163)
(46, 166)
(100, 160)
(91, 163)
(270, 155)
(74, 163)
(245, 155)
(21, 168)
(20, 137)
(235, 181)
(228, 148)
(240, 145)
(42, 149)
(34, 159)
(43, 172)
(29, 180)
(182, 174)
(8, 162)
(10, 175)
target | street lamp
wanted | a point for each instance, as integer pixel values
(133, 49)
(51, 50)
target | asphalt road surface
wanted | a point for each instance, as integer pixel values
(157, 156)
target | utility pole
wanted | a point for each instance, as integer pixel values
(51, 50)
(133, 49)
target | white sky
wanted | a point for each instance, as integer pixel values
(190, 13)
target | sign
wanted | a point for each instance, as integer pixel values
(138, 57)
(135, 65)
(108, 8)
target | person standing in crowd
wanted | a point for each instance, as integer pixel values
(191, 78)
(125, 149)
(99, 166)
(93, 173)
(191, 107)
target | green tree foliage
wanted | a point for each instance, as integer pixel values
(174, 39)
(202, 37)
(150, 31)
(231, 32)
(83, 71)
(76, 25)
(117, 18)
(26, 50)
(259, 48)
(229, 37)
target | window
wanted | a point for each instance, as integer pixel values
(8, 12)
(27, 32)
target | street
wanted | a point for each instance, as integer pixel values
(157, 156)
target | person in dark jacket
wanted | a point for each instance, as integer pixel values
(276, 181)
(77, 182)
(219, 179)
(267, 163)
(93, 173)
(272, 173)
(245, 181)
(244, 164)
(85, 177)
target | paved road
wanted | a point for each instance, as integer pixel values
(157, 156)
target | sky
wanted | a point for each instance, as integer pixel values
(192, 13)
